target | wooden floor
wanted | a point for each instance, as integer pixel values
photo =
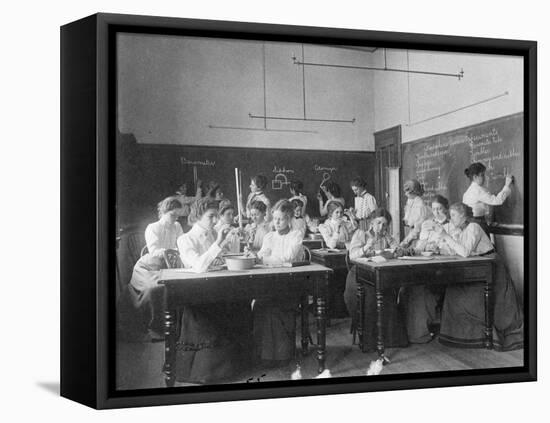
(139, 364)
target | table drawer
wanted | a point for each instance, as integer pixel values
(476, 273)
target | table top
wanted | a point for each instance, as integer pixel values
(419, 262)
(329, 252)
(258, 270)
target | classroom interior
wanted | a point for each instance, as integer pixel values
(189, 105)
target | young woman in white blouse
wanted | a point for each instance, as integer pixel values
(258, 227)
(215, 338)
(479, 198)
(463, 313)
(274, 323)
(416, 211)
(332, 192)
(141, 303)
(296, 188)
(336, 231)
(226, 216)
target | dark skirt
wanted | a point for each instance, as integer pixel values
(395, 334)
(214, 342)
(463, 314)
(421, 304)
(274, 330)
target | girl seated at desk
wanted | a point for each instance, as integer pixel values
(336, 231)
(214, 341)
(226, 215)
(143, 292)
(367, 244)
(463, 313)
(257, 186)
(258, 228)
(274, 323)
(420, 301)
(299, 221)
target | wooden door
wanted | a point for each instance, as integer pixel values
(387, 144)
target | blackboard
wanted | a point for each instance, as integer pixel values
(147, 173)
(438, 162)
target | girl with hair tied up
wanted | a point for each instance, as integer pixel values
(479, 198)
(215, 340)
(463, 313)
(143, 291)
(416, 211)
(297, 193)
(332, 192)
(275, 325)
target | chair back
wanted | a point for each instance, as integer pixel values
(307, 254)
(172, 259)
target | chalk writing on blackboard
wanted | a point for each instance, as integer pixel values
(282, 170)
(318, 168)
(279, 181)
(204, 162)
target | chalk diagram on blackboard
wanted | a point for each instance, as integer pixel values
(279, 181)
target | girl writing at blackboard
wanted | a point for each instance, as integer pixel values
(479, 198)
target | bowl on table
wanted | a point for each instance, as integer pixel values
(427, 253)
(239, 262)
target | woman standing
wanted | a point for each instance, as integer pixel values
(416, 211)
(479, 198)
(257, 186)
(463, 314)
(365, 203)
(275, 325)
(214, 342)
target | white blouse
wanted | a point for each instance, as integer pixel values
(365, 204)
(300, 225)
(369, 240)
(470, 240)
(332, 236)
(256, 233)
(162, 235)
(428, 236)
(233, 242)
(480, 199)
(278, 249)
(416, 212)
(198, 248)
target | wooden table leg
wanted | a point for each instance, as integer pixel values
(321, 332)
(379, 322)
(488, 294)
(360, 315)
(305, 323)
(170, 347)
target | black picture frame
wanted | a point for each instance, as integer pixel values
(88, 125)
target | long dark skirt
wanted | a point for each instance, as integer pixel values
(463, 315)
(274, 330)
(395, 334)
(420, 305)
(215, 342)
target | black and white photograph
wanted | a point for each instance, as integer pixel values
(292, 210)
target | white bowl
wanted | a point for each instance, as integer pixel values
(427, 253)
(239, 262)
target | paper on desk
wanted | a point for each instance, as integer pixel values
(375, 259)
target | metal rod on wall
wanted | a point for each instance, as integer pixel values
(458, 75)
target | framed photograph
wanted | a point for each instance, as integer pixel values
(259, 211)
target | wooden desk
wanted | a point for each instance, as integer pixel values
(312, 243)
(439, 271)
(337, 262)
(226, 286)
